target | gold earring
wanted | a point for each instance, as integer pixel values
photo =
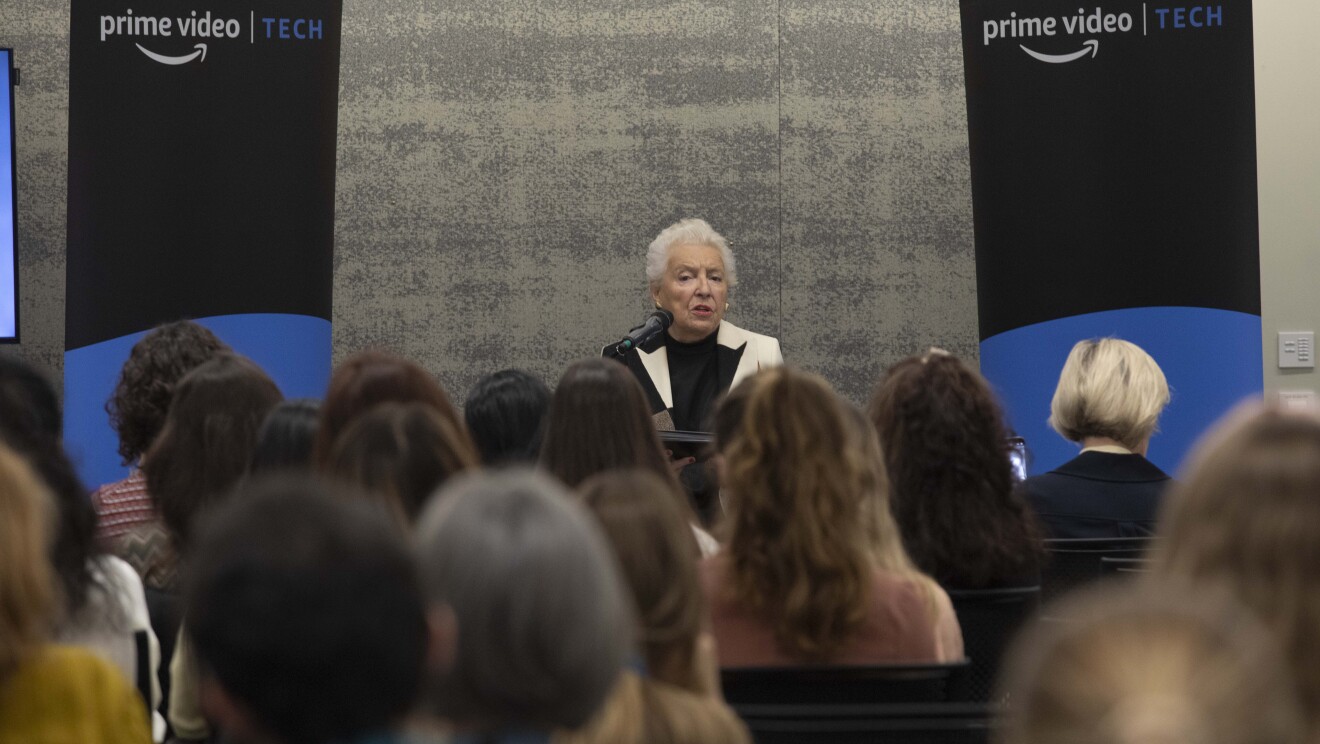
(658, 306)
(726, 307)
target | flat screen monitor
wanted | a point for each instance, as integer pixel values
(8, 204)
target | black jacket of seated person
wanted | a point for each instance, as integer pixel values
(1098, 494)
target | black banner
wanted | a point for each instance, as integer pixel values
(1113, 153)
(201, 185)
(1113, 157)
(201, 161)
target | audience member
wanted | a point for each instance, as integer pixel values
(366, 380)
(674, 696)
(284, 441)
(49, 694)
(951, 484)
(1247, 516)
(202, 452)
(1161, 666)
(505, 413)
(599, 421)
(306, 618)
(1109, 400)
(208, 438)
(399, 454)
(137, 412)
(814, 569)
(102, 597)
(531, 622)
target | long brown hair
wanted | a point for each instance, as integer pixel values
(1247, 515)
(366, 380)
(599, 421)
(207, 441)
(806, 513)
(28, 601)
(951, 486)
(647, 529)
(400, 453)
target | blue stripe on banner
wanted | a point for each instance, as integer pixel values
(1211, 358)
(293, 349)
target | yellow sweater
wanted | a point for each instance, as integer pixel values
(65, 695)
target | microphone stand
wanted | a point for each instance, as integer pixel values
(655, 323)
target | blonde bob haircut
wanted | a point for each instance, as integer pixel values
(28, 600)
(687, 232)
(1109, 388)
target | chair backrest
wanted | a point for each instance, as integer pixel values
(1073, 562)
(143, 671)
(837, 684)
(1110, 566)
(164, 609)
(989, 619)
(919, 723)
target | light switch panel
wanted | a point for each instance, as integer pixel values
(1296, 349)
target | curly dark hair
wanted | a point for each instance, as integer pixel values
(155, 365)
(945, 446)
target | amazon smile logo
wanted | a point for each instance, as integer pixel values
(156, 37)
(152, 28)
(1034, 34)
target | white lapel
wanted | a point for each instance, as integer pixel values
(733, 337)
(657, 366)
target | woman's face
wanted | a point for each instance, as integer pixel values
(693, 288)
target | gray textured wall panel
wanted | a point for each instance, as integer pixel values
(877, 251)
(502, 166)
(38, 30)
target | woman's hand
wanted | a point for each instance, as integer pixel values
(678, 463)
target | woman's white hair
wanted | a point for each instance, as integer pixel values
(687, 232)
(1109, 388)
(544, 619)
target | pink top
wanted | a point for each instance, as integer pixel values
(122, 506)
(899, 628)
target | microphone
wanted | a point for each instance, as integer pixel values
(656, 323)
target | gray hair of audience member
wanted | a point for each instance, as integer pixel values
(1153, 664)
(542, 618)
(1109, 388)
(687, 232)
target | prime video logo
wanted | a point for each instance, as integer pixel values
(1096, 22)
(204, 26)
(1158, 19)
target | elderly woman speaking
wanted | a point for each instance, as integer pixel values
(689, 271)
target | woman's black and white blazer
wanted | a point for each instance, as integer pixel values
(741, 355)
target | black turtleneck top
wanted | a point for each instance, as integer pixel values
(694, 380)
